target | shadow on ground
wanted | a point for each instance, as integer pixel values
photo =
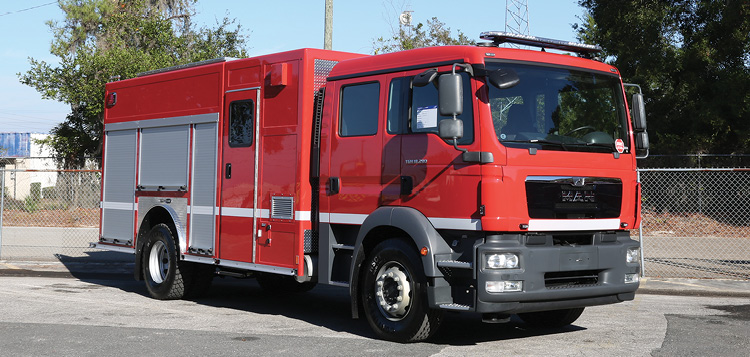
(324, 306)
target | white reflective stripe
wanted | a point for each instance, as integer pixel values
(124, 206)
(573, 224)
(345, 218)
(263, 213)
(468, 224)
(437, 222)
(237, 212)
(302, 215)
(260, 213)
(202, 209)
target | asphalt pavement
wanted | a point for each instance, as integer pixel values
(72, 307)
(119, 266)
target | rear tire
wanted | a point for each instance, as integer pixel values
(551, 319)
(161, 266)
(394, 294)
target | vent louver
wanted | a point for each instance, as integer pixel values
(282, 207)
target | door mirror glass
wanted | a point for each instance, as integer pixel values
(638, 112)
(641, 145)
(450, 128)
(451, 94)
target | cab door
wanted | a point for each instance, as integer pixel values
(435, 179)
(355, 183)
(238, 175)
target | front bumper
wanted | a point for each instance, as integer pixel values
(553, 275)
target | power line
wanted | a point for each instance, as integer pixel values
(28, 8)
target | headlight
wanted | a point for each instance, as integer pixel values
(633, 255)
(501, 261)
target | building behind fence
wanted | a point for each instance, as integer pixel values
(696, 221)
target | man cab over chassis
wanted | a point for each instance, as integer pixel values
(461, 178)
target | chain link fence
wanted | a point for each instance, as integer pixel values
(696, 222)
(48, 214)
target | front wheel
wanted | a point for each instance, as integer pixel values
(394, 294)
(551, 319)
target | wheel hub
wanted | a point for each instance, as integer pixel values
(158, 262)
(393, 291)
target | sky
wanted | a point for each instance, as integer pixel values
(270, 26)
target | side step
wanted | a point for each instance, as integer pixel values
(454, 264)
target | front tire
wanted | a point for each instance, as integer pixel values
(161, 266)
(394, 294)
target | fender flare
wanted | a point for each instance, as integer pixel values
(416, 226)
(173, 222)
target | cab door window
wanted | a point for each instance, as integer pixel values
(415, 109)
(359, 109)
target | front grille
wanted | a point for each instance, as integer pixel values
(571, 279)
(558, 197)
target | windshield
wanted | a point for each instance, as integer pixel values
(559, 109)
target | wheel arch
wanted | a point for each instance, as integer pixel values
(395, 222)
(156, 215)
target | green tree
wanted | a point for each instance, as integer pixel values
(409, 36)
(100, 40)
(692, 59)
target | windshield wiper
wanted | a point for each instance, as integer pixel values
(547, 142)
(598, 145)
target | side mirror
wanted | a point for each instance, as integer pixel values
(425, 78)
(450, 94)
(449, 129)
(638, 112)
(638, 116)
(503, 78)
(641, 145)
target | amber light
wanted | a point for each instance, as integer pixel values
(424, 251)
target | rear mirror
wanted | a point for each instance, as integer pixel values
(451, 129)
(450, 94)
(425, 78)
(503, 78)
(641, 145)
(638, 114)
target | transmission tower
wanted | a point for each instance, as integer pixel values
(517, 17)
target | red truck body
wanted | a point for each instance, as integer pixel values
(320, 166)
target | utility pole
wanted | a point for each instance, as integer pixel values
(328, 33)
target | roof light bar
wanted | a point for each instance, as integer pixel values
(498, 37)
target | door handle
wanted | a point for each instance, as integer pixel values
(334, 185)
(228, 171)
(407, 185)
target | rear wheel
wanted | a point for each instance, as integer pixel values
(551, 319)
(161, 268)
(394, 294)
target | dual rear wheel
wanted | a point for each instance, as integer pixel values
(167, 277)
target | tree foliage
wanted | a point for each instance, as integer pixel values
(692, 59)
(409, 36)
(100, 40)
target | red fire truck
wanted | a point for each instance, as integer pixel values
(475, 179)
